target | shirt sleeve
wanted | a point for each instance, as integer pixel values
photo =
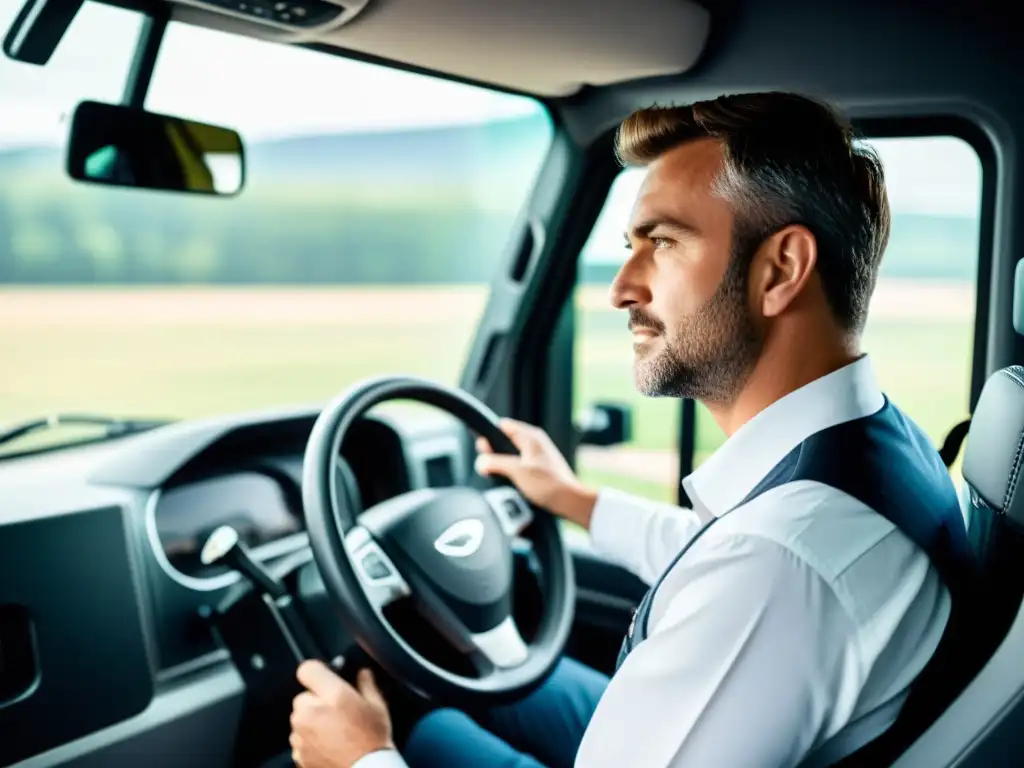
(744, 666)
(640, 535)
(384, 758)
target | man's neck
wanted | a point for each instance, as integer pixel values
(785, 365)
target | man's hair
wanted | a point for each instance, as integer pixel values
(788, 160)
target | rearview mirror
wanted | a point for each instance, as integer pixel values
(127, 147)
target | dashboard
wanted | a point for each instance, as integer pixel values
(117, 645)
(101, 543)
(252, 480)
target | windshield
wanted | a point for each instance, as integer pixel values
(376, 206)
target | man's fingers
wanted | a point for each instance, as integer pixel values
(511, 427)
(303, 701)
(483, 446)
(496, 464)
(368, 687)
(318, 678)
(519, 432)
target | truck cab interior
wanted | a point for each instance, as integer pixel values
(269, 267)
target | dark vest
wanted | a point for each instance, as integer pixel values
(886, 462)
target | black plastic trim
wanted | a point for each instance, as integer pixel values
(537, 360)
(38, 29)
(140, 75)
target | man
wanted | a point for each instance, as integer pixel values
(789, 629)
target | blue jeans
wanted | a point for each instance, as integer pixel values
(543, 730)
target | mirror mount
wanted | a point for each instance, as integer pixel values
(140, 75)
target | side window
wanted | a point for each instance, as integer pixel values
(920, 328)
(603, 371)
(919, 333)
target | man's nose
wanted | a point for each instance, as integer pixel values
(631, 285)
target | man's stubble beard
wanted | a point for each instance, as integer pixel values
(709, 355)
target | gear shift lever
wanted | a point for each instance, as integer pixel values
(225, 546)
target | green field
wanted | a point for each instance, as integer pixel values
(188, 352)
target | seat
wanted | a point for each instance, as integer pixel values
(983, 611)
(994, 497)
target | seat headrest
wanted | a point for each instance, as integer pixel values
(994, 457)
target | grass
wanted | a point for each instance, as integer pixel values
(196, 352)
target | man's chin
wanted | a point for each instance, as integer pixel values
(648, 379)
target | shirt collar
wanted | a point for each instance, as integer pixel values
(735, 469)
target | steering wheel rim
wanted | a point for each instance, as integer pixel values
(335, 534)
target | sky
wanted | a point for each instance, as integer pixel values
(267, 90)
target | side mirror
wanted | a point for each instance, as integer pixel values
(127, 147)
(605, 424)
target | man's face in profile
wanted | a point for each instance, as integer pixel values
(686, 291)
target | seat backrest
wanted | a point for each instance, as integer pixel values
(984, 607)
(993, 467)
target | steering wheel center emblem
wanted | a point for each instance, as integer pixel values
(461, 539)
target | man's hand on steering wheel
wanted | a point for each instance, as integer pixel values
(540, 472)
(333, 724)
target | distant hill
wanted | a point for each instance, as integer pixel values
(30, 159)
(394, 207)
(452, 154)
(920, 247)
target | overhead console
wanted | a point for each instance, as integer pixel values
(287, 13)
(285, 20)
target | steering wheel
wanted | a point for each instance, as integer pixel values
(449, 549)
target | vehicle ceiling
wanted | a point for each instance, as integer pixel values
(545, 47)
(575, 51)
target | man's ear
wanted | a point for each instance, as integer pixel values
(784, 264)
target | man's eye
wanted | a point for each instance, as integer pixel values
(661, 242)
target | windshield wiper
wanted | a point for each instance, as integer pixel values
(112, 426)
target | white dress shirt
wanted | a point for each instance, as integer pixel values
(791, 630)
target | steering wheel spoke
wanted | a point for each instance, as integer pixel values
(500, 647)
(380, 578)
(513, 511)
(503, 645)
